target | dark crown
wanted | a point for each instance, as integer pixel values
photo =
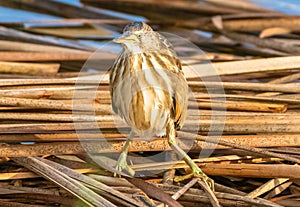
(137, 26)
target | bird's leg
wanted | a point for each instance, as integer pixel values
(122, 162)
(196, 171)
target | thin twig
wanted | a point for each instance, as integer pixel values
(228, 143)
(212, 197)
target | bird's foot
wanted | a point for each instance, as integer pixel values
(197, 173)
(123, 166)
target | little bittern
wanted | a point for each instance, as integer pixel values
(149, 91)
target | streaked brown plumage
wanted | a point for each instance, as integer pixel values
(148, 89)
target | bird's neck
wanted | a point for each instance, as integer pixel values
(133, 49)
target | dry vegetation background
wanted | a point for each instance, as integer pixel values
(255, 52)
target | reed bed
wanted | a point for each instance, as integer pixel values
(58, 132)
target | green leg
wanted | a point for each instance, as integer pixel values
(196, 171)
(122, 162)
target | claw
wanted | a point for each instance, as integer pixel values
(122, 165)
(197, 173)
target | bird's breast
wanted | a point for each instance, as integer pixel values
(149, 105)
(143, 92)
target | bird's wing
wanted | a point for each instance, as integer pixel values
(112, 87)
(180, 98)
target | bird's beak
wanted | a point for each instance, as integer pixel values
(126, 37)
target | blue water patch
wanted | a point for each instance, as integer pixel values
(203, 33)
(71, 2)
(287, 6)
(27, 143)
(14, 15)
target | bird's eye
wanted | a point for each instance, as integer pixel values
(138, 35)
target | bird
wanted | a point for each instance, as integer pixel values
(149, 92)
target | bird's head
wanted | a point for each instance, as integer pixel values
(138, 36)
